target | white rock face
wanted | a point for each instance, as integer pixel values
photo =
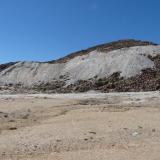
(128, 61)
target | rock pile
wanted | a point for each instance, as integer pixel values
(121, 66)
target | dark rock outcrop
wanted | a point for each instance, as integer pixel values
(6, 65)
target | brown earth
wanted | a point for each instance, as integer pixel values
(105, 48)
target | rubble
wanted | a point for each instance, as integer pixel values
(121, 66)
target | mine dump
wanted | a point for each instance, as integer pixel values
(95, 104)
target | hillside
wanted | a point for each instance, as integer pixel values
(105, 48)
(125, 65)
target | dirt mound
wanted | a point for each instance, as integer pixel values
(125, 65)
(148, 80)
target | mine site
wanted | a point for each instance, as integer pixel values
(95, 104)
(79, 80)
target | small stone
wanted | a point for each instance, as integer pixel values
(134, 134)
(92, 132)
(6, 116)
(12, 128)
(3, 153)
(140, 127)
(12, 120)
(58, 140)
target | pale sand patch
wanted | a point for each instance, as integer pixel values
(88, 126)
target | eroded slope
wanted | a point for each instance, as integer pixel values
(113, 67)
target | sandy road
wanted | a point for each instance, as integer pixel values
(91, 126)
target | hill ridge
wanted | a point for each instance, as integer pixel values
(106, 47)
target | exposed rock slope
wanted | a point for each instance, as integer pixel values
(126, 65)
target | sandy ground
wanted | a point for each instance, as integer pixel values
(91, 126)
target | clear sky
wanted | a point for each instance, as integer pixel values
(43, 30)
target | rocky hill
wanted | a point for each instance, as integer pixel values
(126, 65)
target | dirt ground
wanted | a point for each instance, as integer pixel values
(89, 126)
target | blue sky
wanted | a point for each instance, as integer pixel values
(43, 30)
